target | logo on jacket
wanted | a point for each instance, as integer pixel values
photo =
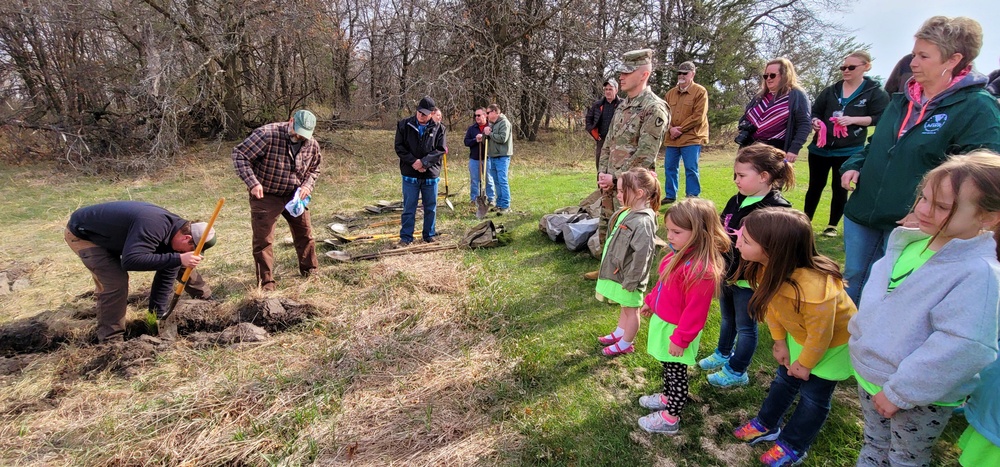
(933, 124)
(861, 103)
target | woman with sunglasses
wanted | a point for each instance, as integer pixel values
(943, 109)
(841, 116)
(779, 113)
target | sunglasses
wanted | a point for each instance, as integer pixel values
(769, 75)
(480, 115)
(848, 67)
(682, 73)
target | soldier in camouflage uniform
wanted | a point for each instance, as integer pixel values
(636, 133)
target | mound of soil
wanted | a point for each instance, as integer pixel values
(12, 365)
(275, 314)
(28, 335)
(125, 359)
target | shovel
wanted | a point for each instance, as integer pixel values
(481, 203)
(344, 228)
(446, 194)
(372, 237)
(169, 327)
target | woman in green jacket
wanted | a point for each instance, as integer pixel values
(943, 110)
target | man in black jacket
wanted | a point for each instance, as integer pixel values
(121, 236)
(600, 114)
(420, 145)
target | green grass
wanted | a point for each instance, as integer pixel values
(569, 404)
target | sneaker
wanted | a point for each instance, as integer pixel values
(667, 200)
(753, 432)
(592, 275)
(502, 211)
(830, 231)
(713, 362)
(726, 378)
(653, 402)
(781, 455)
(654, 423)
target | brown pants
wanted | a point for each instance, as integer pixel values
(264, 214)
(111, 282)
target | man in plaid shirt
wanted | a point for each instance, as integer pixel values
(274, 161)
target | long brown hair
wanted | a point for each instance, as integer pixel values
(981, 168)
(640, 178)
(786, 237)
(789, 79)
(708, 240)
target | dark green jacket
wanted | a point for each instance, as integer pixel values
(891, 168)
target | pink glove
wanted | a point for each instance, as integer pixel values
(839, 131)
(821, 134)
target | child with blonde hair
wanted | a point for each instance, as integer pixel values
(760, 174)
(927, 321)
(678, 304)
(801, 295)
(628, 255)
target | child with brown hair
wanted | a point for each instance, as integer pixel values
(937, 286)
(801, 295)
(760, 174)
(678, 305)
(628, 255)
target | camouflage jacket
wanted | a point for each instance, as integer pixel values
(636, 133)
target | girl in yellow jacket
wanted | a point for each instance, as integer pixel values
(800, 294)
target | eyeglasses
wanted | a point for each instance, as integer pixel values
(682, 73)
(769, 75)
(480, 115)
(490, 111)
(849, 67)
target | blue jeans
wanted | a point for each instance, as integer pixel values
(737, 327)
(862, 247)
(498, 168)
(673, 156)
(808, 417)
(413, 189)
(474, 166)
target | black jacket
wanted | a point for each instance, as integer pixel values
(410, 146)
(141, 234)
(600, 114)
(871, 101)
(732, 218)
(475, 147)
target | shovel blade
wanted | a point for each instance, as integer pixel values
(450, 206)
(339, 228)
(481, 207)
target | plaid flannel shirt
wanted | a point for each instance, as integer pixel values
(265, 157)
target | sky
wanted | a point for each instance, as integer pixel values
(888, 25)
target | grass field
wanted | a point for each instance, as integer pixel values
(460, 357)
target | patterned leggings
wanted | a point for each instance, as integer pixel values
(675, 387)
(906, 439)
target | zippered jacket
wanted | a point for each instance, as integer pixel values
(871, 101)
(411, 145)
(732, 218)
(629, 254)
(965, 118)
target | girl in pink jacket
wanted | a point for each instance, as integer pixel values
(678, 304)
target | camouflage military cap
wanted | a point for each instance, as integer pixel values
(635, 59)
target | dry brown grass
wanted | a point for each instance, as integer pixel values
(390, 372)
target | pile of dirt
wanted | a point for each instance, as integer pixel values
(29, 335)
(127, 358)
(275, 314)
(238, 334)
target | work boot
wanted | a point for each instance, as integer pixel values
(268, 287)
(592, 275)
(307, 272)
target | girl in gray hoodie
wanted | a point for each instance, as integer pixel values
(927, 322)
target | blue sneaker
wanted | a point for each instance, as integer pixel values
(726, 378)
(713, 362)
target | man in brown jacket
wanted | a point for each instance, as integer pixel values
(688, 131)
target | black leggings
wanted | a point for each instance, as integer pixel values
(675, 387)
(819, 169)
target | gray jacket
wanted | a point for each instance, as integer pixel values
(630, 250)
(928, 339)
